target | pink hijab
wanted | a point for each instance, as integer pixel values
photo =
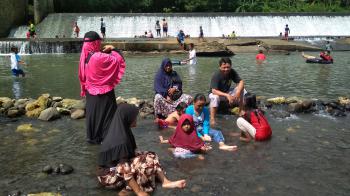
(103, 71)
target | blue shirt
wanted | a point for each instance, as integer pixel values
(201, 121)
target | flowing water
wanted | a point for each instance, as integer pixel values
(307, 155)
(214, 24)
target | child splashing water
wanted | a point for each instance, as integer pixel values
(173, 118)
(200, 115)
(252, 121)
(185, 140)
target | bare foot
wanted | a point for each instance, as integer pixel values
(201, 157)
(227, 147)
(174, 184)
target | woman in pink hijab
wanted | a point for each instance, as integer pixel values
(99, 73)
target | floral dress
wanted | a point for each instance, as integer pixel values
(143, 168)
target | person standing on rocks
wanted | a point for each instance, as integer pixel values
(157, 27)
(99, 73)
(103, 28)
(220, 87)
(165, 28)
(286, 32)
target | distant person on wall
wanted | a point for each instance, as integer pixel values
(76, 30)
(286, 32)
(260, 57)
(328, 46)
(192, 58)
(233, 35)
(201, 34)
(16, 62)
(281, 35)
(32, 30)
(103, 28)
(165, 28)
(149, 34)
(181, 39)
(157, 27)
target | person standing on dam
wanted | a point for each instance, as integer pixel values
(103, 28)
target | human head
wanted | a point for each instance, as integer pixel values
(249, 101)
(181, 107)
(14, 49)
(128, 114)
(101, 19)
(163, 19)
(186, 126)
(157, 21)
(261, 51)
(225, 65)
(191, 46)
(167, 66)
(200, 27)
(327, 52)
(286, 25)
(199, 102)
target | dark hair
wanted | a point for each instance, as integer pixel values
(13, 48)
(199, 97)
(91, 36)
(192, 45)
(250, 101)
(225, 60)
(181, 106)
(261, 51)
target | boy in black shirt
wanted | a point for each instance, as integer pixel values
(221, 86)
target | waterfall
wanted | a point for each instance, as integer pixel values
(40, 46)
(214, 24)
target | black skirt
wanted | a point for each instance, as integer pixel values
(100, 110)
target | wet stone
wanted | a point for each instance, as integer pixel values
(307, 104)
(280, 114)
(47, 169)
(56, 169)
(15, 193)
(295, 107)
(65, 169)
(77, 114)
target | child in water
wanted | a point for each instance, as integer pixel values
(185, 140)
(252, 121)
(172, 118)
(16, 62)
(200, 115)
(260, 57)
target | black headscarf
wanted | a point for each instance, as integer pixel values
(119, 143)
(163, 80)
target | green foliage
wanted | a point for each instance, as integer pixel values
(202, 6)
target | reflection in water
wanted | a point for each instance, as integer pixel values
(324, 77)
(17, 88)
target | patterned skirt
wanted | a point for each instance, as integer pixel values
(143, 168)
(164, 108)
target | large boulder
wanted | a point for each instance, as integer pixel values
(295, 107)
(80, 104)
(11, 113)
(77, 114)
(4, 100)
(277, 100)
(49, 114)
(69, 103)
(35, 108)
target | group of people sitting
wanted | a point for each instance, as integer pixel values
(191, 116)
(109, 125)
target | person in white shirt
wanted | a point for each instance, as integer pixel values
(192, 59)
(16, 62)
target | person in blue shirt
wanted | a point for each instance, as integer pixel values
(16, 63)
(181, 39)
(201, 119)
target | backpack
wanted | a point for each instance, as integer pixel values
(259, 122)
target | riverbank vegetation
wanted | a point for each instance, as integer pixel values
(171, 6)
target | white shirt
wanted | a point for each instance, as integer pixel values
(14, 61)
(193, 57)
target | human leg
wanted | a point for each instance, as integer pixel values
(219, 138)
(214, 103)
(307, 56)
(166, 183)
(246, 127)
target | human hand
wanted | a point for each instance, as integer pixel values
(108, 48)
(230, 99)
(171, 91)
(206, 138)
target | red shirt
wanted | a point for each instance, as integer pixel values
(260, 56)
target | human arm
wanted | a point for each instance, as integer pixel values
(206, 125)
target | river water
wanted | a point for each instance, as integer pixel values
(307, 155)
